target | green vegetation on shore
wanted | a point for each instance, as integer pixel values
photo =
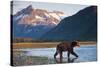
(20, 60)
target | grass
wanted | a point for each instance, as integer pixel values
(43, 44)
(19, 59)
(34, 45)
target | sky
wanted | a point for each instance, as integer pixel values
(68, 9)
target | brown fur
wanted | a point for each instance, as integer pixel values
(66, 46)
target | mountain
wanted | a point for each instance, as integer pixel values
(33, 23)
(81, 26)
(34, 17)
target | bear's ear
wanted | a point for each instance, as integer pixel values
(73, 44)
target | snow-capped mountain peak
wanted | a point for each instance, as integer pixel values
(32, 16)
(34, 23)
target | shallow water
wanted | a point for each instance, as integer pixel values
(86, 53)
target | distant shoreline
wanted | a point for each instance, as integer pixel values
(88, 42)
(44, 44)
